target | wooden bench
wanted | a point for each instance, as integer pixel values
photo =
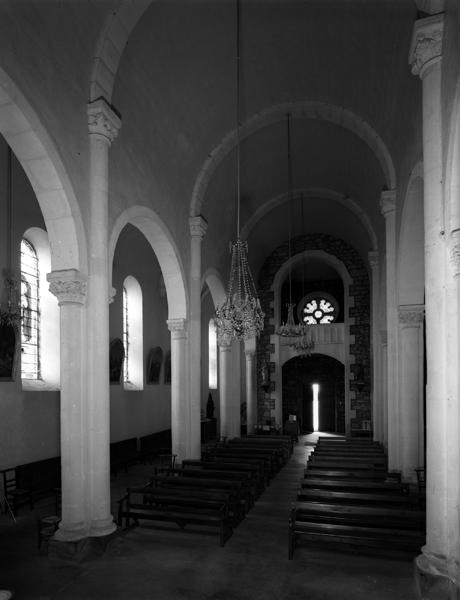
(348, 485)
(25, 484)
(355, 497)
(239, 500)
(270, 462)
(374, 527)
(255, 471)
(166, 506)
(246, 478)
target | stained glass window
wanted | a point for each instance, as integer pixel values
(212, 356)
(30, 312)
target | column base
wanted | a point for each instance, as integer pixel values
(79, 550)
(102, 527)
(432, 580)
(70, 532)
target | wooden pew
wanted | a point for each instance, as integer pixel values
(270, 460)
(367, 526)
(154, 444)
(256, 471)
(238, 498)
(246, 478)
(194, 511)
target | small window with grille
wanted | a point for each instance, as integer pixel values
(30, 312)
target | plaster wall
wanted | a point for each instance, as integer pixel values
(29, 424)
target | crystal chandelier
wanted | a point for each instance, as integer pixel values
(240, 316)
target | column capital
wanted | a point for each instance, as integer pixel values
(426, 45)
(224, 341)
(198, 226)
(69, 286)
(388, 202)
(373, 257)
(177, 327)
(454, 252)
(411, 315)
(102, 120)
(250, 353)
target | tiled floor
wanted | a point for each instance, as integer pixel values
(145, 563)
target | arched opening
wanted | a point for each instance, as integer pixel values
(317, 377)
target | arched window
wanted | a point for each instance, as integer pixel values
(40, 331)
(133, 368)
(319, 308)
(212, 354)
(30, 312)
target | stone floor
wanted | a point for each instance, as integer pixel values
(145, 563)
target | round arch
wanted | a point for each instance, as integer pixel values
(110, 45)
(410, 268)
(320, 193)
(42, 164)
(161, 241)
(299, 110)
(213, 280)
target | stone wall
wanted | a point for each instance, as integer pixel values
(358, 319)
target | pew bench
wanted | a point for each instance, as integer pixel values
(364, 526)
(155, 444)
(238, 500)
(196, 513)
(255, 471)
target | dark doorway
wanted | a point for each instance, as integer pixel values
(299, 375)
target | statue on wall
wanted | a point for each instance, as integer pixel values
(210, 407)
(154, 362)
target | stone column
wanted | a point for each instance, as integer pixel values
(180, 405)
(69, 287)
(388, 206)
(251, 397)
(103, 126)
(384, 398)
(198, 228)
(225, 386)
(411, 419)
(437, 568)
(377, 417)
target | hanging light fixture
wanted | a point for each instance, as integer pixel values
(289, 328)
(303, 345)
(240, 316)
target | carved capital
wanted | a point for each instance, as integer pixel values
(373, 257)
(426, 46)
(198, 226)
(178, 327)
(388, 202)
(411, 315)
(69, 286)
(224, 341)
(102, 120)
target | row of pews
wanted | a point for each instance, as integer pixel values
(212, 494)
(348, 497)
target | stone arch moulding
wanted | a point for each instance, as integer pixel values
(324, 351)
(110, 45)
(299, 110)
(452, 174)
(40, 160)
(161, 241)
(410, 274)
(214, 282)
(320, 193)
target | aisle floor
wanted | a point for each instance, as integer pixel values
(145, 563)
